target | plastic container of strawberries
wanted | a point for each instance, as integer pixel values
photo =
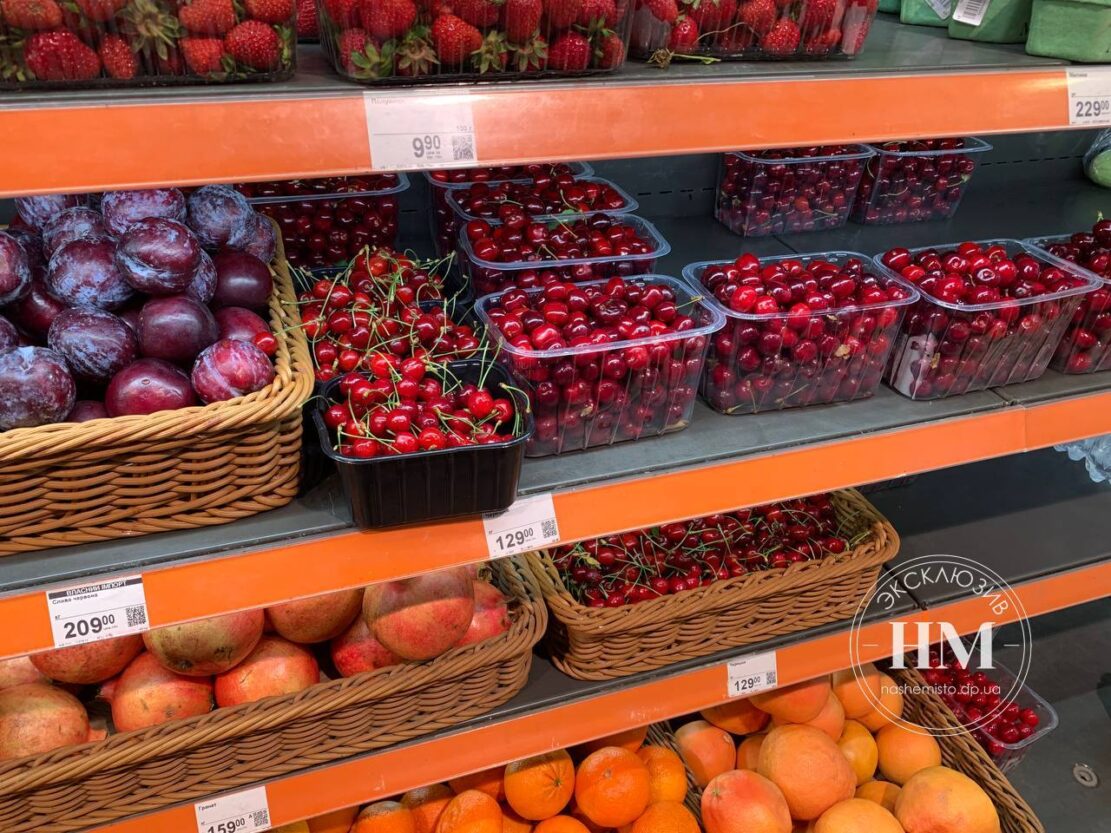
(145, 43)
(657, 398)
(1086, 345)
(750, 29)
(406, 42)
(766, 192)
(945, 349)
(487, 276)
(837, 355)
(909, 182)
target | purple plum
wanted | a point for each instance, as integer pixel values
(158, 256)
(239, 323)
(85, 410)
(78, 223)
(203, 284)
(220, 216)
(146, 386)
(122, 209)
(9, 335)
(36, 310)
(38, 211)
(96, 344)
(31, 242)
(231, 368)
(262, 242)
(130, 317)
(15, 270)
(36, 388)
(176, 328)
(242, 280)
(83, 273)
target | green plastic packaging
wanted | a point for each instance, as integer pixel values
(1004, 21)
(1079, 30)
(921, 13)
(890, 6)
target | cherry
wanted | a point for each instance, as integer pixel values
(1086, 346)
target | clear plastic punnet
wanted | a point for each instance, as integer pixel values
(764, 192)
(770, 361)
(585, 195)
(602, 393)
(953, 347)
(922, 179)
(621, 230)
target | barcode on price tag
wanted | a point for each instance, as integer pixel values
(419, 131)
(1089, 96)
(241, 812)
(752, 674)
(101, 610)
(530, 523)
(970, 11)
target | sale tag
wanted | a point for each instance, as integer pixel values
(91, 612)
(241, 812)
(530, 523)
(425, 131)
(970, 11)
(752, 674)
(1089, 96)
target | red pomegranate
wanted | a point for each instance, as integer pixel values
(35, 718)
(421, 617)
(91, 662)
(207, 646)
(147, 694)
(318, 618)
(491, 614)
(276, 666)
(19, 670)
(356, 651)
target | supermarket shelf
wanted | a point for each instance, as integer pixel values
(909, 81)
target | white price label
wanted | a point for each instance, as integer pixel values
(426, 131)
(241, 812)
(941, 7)
(1089, 96)
(91, 612)
(970, 11)
(528, 524)
(752, 674)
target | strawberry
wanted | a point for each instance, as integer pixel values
(414, 54)
(569, 53)
(101, 11)
(711, 15)
(344, 13)
(562, 13)
(203, 55)
(270, 11)
(531, 55)
(684, 35)
(368, 60)
(350, 42)
(782, 40)
(151, 30)
(522, 19)
(492, 55)
(255, 45)
(31, 14)
(593, 11)
(758, 15)
(386, 19)
(817, 14)
(307, 24)
(611, 52)
(208, 17)
(480, 13)
(665, 10)
(454, 39)
(118, 59)
(60, 56)
(822, 44)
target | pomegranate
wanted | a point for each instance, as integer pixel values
(491, 614)
(19, 670)
(318, 618)
(89, 663)
(357, 651)
(35, 718)
(147, 694)
(421, 617)
(275, 667)
(207, 646)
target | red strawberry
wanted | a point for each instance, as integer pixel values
(307, 24)
(415, 56)
(203, 55)
(270, 11)
(31, 14)
(522, 18)
(817, 14)
(60, 56)
(569, 53)
(118, 59)
(822, 44)
(344, 13)
(480, 13)
(562, 13)
(493, 54)
(665, 10)
(101, 11)
(595, 10)
(254, 44)
(684, 35)
(208, 17)
(454, 39)
(782, 40)
(350, 42)
(386, 19)
(712, 15)
(758, 15)
(611, 53)
(530, 55)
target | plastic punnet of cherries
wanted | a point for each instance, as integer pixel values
(114, 306)
(634, 567)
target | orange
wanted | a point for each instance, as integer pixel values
(808, 768)
(384, 817)
(666, 773)
(470, 812)
(884, 793)
(856, 815)
(796, 703)
(561, 824)
(859, 747)
(831, 719)
(337, 821)
(741, 801)
(748, 752)
(942, 800)
(612, 787)
(903, 752)
(890, 708)
(665, 817)
(857, 696)
(426, 804)
(512, 823)
(631, 739)
(706, 750)
(578, 815)
(487, 781)
(539, 787)
(739, 717)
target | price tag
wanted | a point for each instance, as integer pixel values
(91, 612)
(1089, 96)
(241, 812)
(528, 524)
(970, 11)
(419, 131)
(752, 674)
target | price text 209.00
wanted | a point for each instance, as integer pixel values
(84, 627)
